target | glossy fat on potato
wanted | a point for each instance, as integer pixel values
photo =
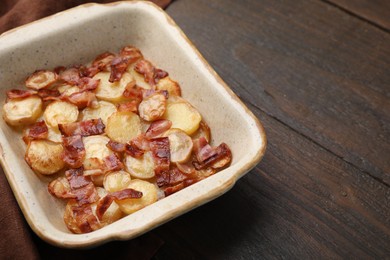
(116, 181)
(60, 112)
(103, 110)
(44, 156)
(183, 116)
(149, 196)
(180, 145)
(17, 112)
(142, 168)
(123, 126)
(111, 91)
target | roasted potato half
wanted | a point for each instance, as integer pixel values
(95, 147)
(44, 156)
(17, 112)
(116, 181)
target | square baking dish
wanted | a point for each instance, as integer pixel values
(76, 36)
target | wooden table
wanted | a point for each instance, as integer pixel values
(317, 75)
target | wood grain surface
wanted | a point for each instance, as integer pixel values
(317, 76)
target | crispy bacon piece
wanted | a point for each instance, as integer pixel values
(20, 93)
(84, 218)
(41, 79)
(70, 76)
(221, 158)
(116, 147)
(203, 149)
(161, 154)
(131, 53)
(157, 128)
(102, 206)
(86, 83)
(133, 150)
(172, 189)
(82, 99)
(103, 61)
(74, 151)
(81, 186)
(83, 128)
(76, 178)
(126, 194)
(151, 74)
(134, 92)
(38, 130)
(171, 177)
(49, 94)
(118, 67)
(112, 163)
(141, 142)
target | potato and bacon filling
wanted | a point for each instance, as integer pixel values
(116, 133)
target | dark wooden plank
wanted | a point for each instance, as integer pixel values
(317, 69)
(374, 11)
(300, 202)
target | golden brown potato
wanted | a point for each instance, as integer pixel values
(180, 145)
(41, 79)
(44, 156)
(123, 126)
(17, 112)
(103, 110)
(60, 112)
(170, 85)
(68, 90)
(139, 78)
(116, 181)
(111, 91)
(142, 168)
(149, 196)
(183, 116)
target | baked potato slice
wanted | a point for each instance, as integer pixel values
(123, 126)
(149, 196)
(60, 112)
(95, 149)
(44, 156)
(103, 110)
(111, 91)
(169, 85)
(141, 168)
(17, 112)
(180, 145)
(183, 116)
(116, 181)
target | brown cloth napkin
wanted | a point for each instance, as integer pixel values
(17, 240)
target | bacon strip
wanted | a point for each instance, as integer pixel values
(157, 128)
(131, 53)
(118, 68)
(84, 218)
(151, 74)
(103, 61)
(82, 99)
(112, 163)
(102, 206)
(221, 157)
(20, 93)
(133, 150)
(133, 92)
(48, 94)
(70, 75)
(116, 147)
(161, 154)
(131, 106)
(81, 187)
(38, 130)
(83, 128)
(86, 83)
(126, 194)
(74, 151)
(203, 149)
(172, 189)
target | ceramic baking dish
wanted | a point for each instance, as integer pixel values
(76, 36)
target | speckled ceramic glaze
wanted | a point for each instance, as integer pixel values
(76, 36)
